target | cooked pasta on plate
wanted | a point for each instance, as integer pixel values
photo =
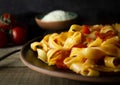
(84, 49)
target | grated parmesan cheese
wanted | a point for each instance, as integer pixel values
(59, 15)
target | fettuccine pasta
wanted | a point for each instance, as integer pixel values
(86, 50)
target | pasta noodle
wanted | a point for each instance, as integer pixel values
(89, 72)
(111, 61)
(86, 50)
(72, 40)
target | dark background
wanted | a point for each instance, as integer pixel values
(89, 11)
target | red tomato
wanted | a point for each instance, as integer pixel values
(19, 35)
(3, 39)
(85, 29)
(6, 21)
(59, 62)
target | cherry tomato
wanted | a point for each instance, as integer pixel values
(19, 35)
(3, 39)
(6, 21)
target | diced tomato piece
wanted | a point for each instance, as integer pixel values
(59, 62)
(85, 29)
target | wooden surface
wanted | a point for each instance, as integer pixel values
(14, 72)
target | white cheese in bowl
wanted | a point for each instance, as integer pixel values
(58, 15)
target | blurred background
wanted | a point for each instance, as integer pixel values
(89, 11)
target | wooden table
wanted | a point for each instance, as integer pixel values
(14, 72)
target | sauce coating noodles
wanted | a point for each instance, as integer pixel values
(86, 50)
